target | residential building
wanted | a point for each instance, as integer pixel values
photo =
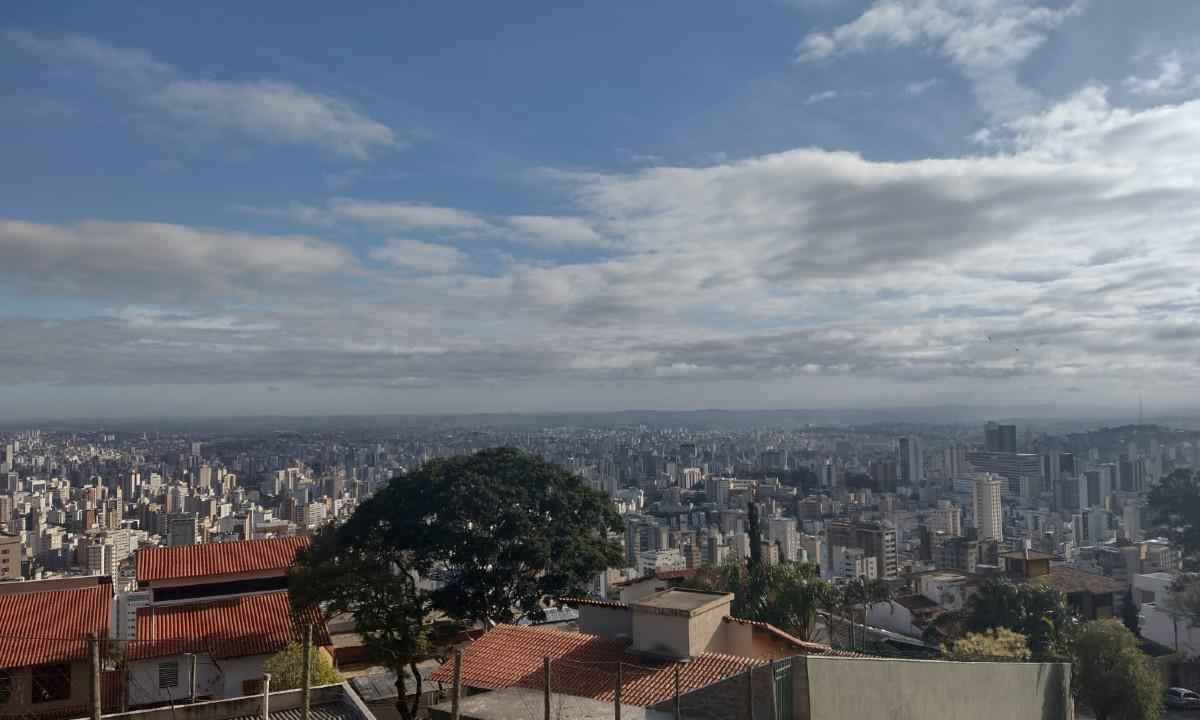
(850, 562)
(50, 677)
(11, 553)
(946, 518)
(875, 538)
(182, 529)
(911, 460)
(988, 509)
(1093, 596)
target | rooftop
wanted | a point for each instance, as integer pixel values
(233, 627)
(229, 558)
(689, 602)
(1069, 580)
(329, 702)
(517, 702)
(51, 626)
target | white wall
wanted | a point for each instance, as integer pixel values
(214, 679)
(894, 617)
(1159, 626)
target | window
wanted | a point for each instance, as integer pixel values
(6, 686)
(51, 683)
(168, 675)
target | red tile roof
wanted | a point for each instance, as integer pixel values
(584, 665)
(27, 620)
(234, 627)
(243, 556)
(589, 602)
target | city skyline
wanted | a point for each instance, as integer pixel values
(870, 204)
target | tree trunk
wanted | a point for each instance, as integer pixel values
(401, 696)
(416, 703)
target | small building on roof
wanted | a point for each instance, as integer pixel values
(684, 631)
(44, 660)
(232, 638)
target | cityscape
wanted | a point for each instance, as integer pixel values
(724, 360)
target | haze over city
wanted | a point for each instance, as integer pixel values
(425, 208)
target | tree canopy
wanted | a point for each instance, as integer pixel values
(1112, 676)
(1038, 612)
(1174, 506)
(287, 668)
(995, 644)
(787, 596)
(500, 531)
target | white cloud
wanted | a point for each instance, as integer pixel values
(160, 260)
(985, 39)
(277, 113)
(555, 232)
(122, 64)
(820, 97)
(405, 215)
(1172, 78)
(270, 111)
(920, 87)
(420, 256)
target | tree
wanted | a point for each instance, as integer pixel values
(287, 668)
(1130, 613)
(793, 594)
(352, 570)
(995, 644)
(501, 530)
(1174, 508)
(1038, 612)
(1112, 676)
(506, 529)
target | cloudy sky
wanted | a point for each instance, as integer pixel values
(234, 208)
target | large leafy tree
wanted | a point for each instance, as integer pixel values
(505, 530)
(1174, 506)
(353, 569)
(1112, 676)
(790, 595)
(1038, 612)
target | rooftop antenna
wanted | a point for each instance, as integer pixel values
(1141, 413)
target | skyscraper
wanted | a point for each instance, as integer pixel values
(911, 460)
(1000, 438)
(988, 515)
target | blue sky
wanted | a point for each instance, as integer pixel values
(223, 208)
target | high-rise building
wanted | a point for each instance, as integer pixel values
(11, 551)
(989, 517)
(1000, 438)
(852, 562)
(911, 460)
(946, 518)
(875, 538)
(182, 529)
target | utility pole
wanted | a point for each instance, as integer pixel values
(266, 709)
(546, 677)
(617, 693)
(306, 674)
(94, 656)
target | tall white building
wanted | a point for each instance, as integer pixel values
(989, 518)
(947, 518)
(851, 562)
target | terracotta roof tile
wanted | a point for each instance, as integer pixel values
(584, 665)
(243, 556)
(27, 620)
(234, 627)
(588, 602)
(1069, 580)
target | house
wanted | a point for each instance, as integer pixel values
(1093, 596)
(327, 702)
(190, 572)
(231, 637)
(687, 632)
(44, 655)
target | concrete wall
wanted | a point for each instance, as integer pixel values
(729, 699)
(742, 639)
(243, 706)
(1159, 626)
(605, 622)
(856, 688)
(893, 616)
(21, 680)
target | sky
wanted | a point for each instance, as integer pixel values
(305, 208)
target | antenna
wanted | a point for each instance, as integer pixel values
(1141, 411)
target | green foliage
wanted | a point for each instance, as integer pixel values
(995, 644)
(1174, 506)
(510, 528)
(1038, 612)
(1184, 598)
(287, 668)
(1112, 676)
(790, 595)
